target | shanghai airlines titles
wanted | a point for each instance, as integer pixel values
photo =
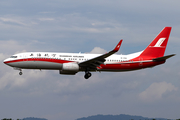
(71, 63)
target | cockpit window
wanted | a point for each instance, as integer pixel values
(13, 57)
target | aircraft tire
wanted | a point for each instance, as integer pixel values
(87, 75)
(20, 73)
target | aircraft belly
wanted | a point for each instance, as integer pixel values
(37, 65)
(127, 66)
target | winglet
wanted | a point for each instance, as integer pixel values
(118, 46)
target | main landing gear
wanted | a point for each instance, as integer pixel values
(87, 75)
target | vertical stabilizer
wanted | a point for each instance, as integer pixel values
(158, 45)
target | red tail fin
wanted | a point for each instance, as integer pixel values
(158, 45)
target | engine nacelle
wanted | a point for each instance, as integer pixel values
(69, 68)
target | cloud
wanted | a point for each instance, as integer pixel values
(13, 21)
(9, 47)
(64, 27)
(156, 91)
(46, 19)
(98, 50)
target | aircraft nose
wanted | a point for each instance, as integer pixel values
(5, 61)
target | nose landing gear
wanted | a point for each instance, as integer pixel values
(20, 73)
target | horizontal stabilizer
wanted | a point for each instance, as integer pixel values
(163, 58)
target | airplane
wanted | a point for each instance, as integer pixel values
(72, 63)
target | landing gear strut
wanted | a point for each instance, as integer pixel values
(87, 75)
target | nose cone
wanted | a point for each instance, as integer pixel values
(6, 61)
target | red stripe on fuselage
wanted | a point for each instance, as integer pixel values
(39, 59)
(121, 66)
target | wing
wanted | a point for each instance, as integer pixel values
(93, 63)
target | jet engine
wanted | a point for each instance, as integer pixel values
(69, 68)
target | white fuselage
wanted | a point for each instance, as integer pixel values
(48, 60)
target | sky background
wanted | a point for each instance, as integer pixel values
(88, 26)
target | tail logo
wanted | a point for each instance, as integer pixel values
(159, 43)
